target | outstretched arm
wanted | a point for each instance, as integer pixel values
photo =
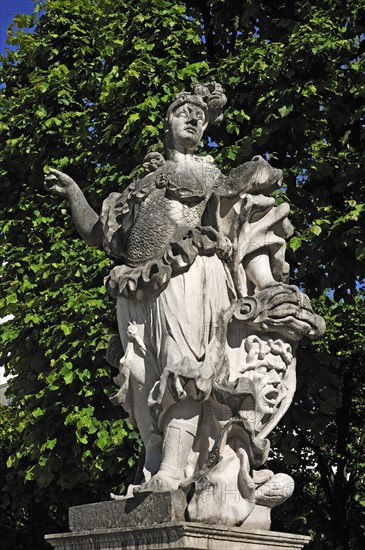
(85, 218)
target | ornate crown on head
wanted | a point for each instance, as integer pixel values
(209, 97)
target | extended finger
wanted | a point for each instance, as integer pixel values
(280, 299)
(291, 325)
(301, 326)
(54, 172)
(295, 311)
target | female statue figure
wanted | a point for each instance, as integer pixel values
(207, 321)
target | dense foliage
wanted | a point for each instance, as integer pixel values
(85, 90)
(321, 440)
(23, 521)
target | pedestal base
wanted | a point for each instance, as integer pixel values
(157, 521)
(177, 536)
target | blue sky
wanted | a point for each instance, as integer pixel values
(8, 10)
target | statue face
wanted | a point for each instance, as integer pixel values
(267, 377)
(187, 125)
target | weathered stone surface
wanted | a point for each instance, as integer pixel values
(260, 518)
(208, 324)
(143, 509)
(177, 536)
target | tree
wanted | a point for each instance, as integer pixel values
(87, 89)
(23, 524)
(324, 446)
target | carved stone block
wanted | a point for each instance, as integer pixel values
(177, 536)
(143, 509)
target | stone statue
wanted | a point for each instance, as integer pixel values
(208, 324)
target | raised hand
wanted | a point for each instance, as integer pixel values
(86, 220)
(59, 183)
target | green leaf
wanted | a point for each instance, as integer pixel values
(285, 110)
(66, 328)
(316, 229)
(295, 243)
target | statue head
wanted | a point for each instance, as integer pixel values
(266, 366)
(189, 115)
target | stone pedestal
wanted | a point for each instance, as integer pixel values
(177, 536)
(142, 509)
(156, 521)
